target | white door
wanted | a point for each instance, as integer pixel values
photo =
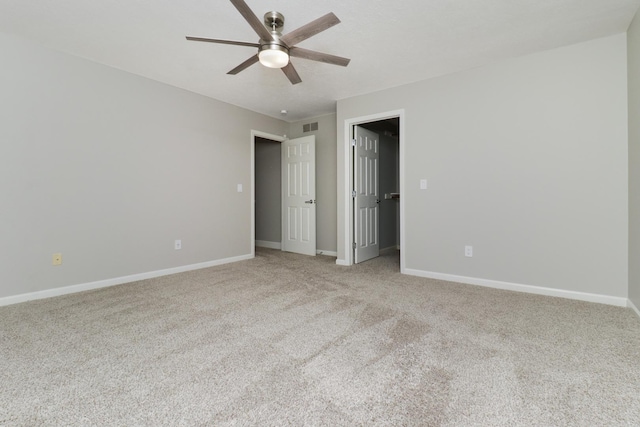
(299, 195)
(366, 200)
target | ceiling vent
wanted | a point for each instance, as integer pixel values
(310, 127)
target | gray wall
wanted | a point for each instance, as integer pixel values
(268, 191)
(325, 177)
(633, 49)
(526, 161)
(110, 168)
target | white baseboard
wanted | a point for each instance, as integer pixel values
(15, 299)
(267, 244)
(278, 245)
(633, 307)
(581, 296)
(342, 262)
(389, 249)
(327, 253)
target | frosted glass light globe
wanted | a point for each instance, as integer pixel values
(274, 57)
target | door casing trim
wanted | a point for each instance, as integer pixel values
(348, 180)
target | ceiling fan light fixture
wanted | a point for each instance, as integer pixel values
(274, 48)
(273, 56)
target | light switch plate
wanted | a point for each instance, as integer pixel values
(239, 188)
(423, 184)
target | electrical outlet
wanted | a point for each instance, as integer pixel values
(468, 251)
(178, 245)
(56, 259)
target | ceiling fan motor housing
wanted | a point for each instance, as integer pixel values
(274, 21)
(273, 53)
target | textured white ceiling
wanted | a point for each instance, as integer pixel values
(390, 43)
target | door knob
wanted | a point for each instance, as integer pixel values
(310, 202)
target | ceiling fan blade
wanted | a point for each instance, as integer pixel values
(291, 74)
(246, 64)
(299, 52)
(202, 39)
(311, 29)
(252, 19)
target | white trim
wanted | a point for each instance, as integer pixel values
(346, 191)
(15, 299)
(402, 190)
(327, 253)
(633, 307)
(278, 245)
(562, 293)
(389, 249)
(270, 245)
(346, 194)
(252, 162)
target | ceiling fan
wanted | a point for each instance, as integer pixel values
(274, 49)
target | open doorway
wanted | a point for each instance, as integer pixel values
(256, 137)
(283, 193)
(389, 162)
(388, 178)
(268, 193)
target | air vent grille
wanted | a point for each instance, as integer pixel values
(310, 127)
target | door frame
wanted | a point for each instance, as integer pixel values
(254, 134)
(345, 192)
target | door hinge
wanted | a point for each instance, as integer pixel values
(353, 142)
(354, 245)
(353, 194)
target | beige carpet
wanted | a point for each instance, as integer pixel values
(285, 339)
